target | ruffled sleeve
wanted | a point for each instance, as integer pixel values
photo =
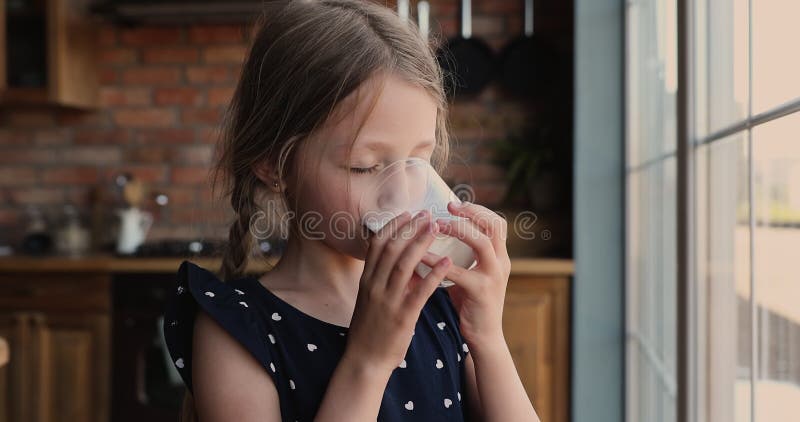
(227, 305)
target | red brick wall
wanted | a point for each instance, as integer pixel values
(163, 90)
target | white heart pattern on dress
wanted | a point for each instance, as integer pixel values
(466, 349)
(272, 366)
(291, 384)
(210, 294)
(244, 304)
(439, 364)
(410, 405)
(180, 289)
(447, 403)
(271, 338)
(311, 347)
(441, 325)
(239, 291)
(276, 316)
(402, 364)
(459, 396)
(179, 363)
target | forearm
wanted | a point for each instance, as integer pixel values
(356, 390)
(502, 395)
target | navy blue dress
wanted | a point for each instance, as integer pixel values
(300, 352)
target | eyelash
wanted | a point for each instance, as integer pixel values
(358, 170)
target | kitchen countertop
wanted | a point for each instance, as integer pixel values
(111, 263)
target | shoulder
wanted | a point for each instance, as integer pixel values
(228, 380)
(199, 292)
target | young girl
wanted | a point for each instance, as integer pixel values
(342, 329)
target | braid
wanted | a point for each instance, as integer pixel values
(240, 240)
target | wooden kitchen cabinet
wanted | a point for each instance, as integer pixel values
(56, 315)
(47, 54)
(59, 341)
(537, 329)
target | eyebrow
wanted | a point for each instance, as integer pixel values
(377, 145)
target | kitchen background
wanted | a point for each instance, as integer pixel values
(107, 108)
(658, 151)
(161, 92)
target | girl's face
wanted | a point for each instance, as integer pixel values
(402, 124)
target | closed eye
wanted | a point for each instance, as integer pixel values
(359, 170)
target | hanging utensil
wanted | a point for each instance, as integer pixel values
(524, 61)
(402, 9)
(423, 18)
(468, 62)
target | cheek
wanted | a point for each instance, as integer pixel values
(340, 220)
(329, 195)
(336, 199)
(332, 190)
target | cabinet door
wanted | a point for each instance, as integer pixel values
(75, 371)
(72, 75)
(17, 387)
(62, 52)
(59, 368)
(536, 327)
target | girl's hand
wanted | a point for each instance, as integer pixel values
(478, 294)
(391, 295)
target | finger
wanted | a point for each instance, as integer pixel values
(489, 222)
(378, 241)
(467, 232)
(408, 261)
(430, 256)
(458, 275)
(423, 290)
(396, 245)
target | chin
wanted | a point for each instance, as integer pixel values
(351, 247)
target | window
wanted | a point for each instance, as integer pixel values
(745, 151)
(651, 211)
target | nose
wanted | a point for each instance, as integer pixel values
(401, 186)
(394, 194)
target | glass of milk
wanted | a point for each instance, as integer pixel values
(413, 185)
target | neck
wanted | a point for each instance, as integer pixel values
(312, 265)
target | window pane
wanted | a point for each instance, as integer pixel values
(723, 271)
(777, 256)
(721, 67)
(775, 67)
(651, 65)
(651, 79)
(651, 303)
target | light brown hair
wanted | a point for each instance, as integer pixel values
(306, 57)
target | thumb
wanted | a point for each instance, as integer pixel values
(425, 288)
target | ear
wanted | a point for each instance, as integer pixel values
(268, 176)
